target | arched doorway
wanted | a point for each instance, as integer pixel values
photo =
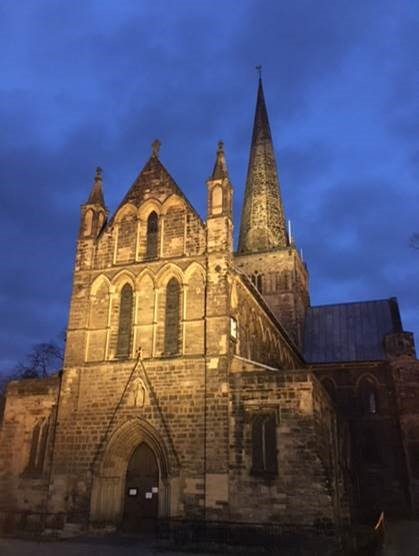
(141, 501)
(135, 449)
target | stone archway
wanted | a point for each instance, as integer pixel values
(141, 494)
(108, 490)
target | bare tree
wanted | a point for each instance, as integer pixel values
(43, 359)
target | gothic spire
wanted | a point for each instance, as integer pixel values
(262, 225)
(220, 166)
(96, 194)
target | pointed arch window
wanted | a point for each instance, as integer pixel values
(264, 450)
(123, 346)
(217, 200)
(88, 223)
(368, 398)
(172, 318)
(38, 447)
(257, 281)
(152, 235)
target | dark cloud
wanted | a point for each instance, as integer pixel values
(361, 247)
(86, 83)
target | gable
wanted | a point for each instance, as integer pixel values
(154, 183)
(154, 220)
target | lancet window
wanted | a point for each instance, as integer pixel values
(172, 318)
(123, 346)
(88, 223)
(264, 449)
(152, 235)
(368, 396)
(38, 447)
(257, 280)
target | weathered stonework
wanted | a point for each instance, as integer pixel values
(263, 220)
(282, 279)
(375, 445)
(405, 374)
(25, 476)
(306, 490)
(175, 342)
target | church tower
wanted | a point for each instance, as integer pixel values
(266, 252)
(93, 212)
(93, 215)
(263, 221)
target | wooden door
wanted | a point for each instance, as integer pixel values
(141, 491)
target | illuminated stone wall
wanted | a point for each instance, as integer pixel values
(283, 282)
(307, 488)
(172, 404)
(259, 338)
(186, 405)
(25, 461)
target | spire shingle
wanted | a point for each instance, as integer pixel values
(96, 194)
(262, 225)
(220, 166)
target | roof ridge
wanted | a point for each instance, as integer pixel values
(387, 299)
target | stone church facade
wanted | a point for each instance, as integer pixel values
(200, 385)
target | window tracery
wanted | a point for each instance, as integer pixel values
(257, 280)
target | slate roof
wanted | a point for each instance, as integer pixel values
(350, 331)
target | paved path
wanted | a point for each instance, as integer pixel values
(95, 546)
(401, 538)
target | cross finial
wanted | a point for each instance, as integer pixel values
(259, 70)
(220, 146)
(155, 147)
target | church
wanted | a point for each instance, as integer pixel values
(200, 386)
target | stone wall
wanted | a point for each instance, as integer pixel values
(306, 491)
(377, 463)
(258, 336)
(26, 441)
(94, 311)
(190, 399)
(124, 239)
(282, 279)
(405, 372)
(100, 399)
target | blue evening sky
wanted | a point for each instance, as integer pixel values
(86, 83)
